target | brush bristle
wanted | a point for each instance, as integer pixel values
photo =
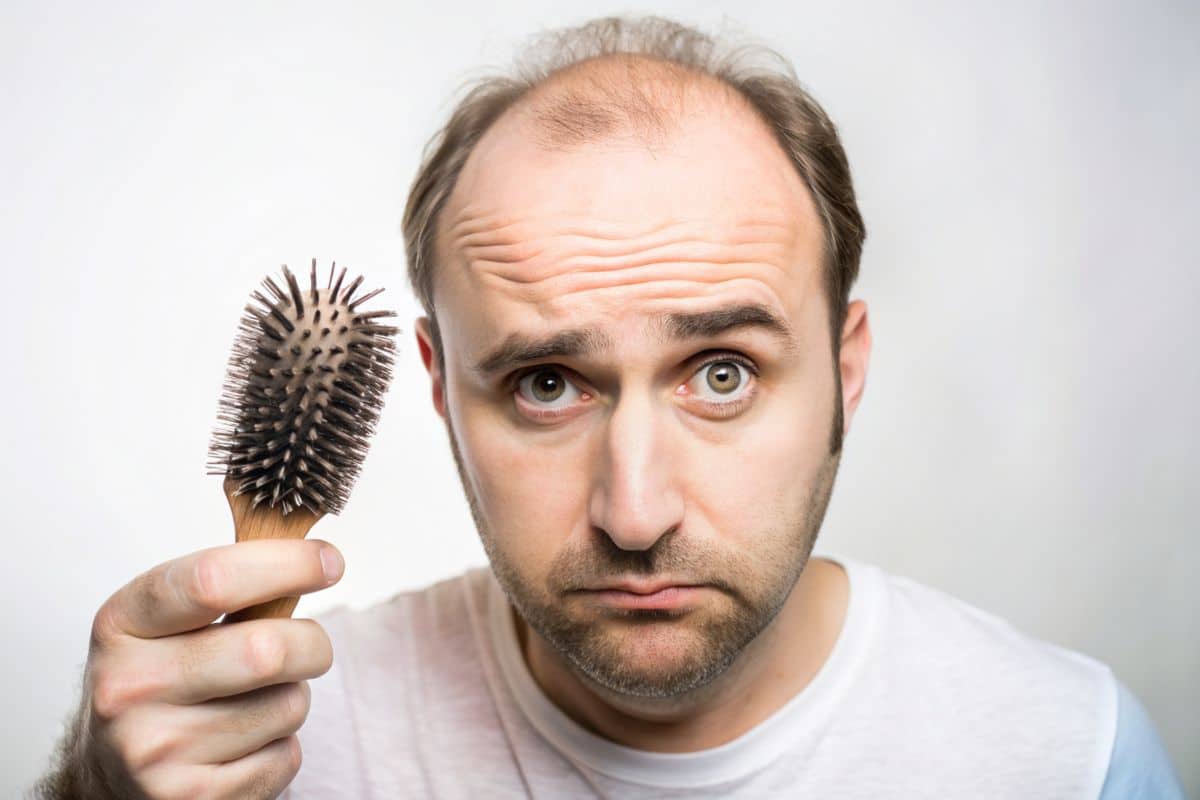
(302, 393)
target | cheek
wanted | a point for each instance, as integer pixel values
(761, 479)
(533, 496)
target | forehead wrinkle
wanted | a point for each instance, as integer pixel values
(478, 227)
(612, 292)
(519, 252)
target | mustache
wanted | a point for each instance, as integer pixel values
(603, 560)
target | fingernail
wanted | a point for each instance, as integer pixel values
(332, 563)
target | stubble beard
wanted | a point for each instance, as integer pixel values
(719, 638)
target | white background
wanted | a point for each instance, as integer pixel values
(1028, 437)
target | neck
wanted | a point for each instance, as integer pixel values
(775, 667)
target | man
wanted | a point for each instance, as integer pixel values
(635, 258)
(635, 275)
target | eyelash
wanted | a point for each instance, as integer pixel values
(722, 409)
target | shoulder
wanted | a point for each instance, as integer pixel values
(974, 684)
(1139, 766)
(964, 644)
(970, 641)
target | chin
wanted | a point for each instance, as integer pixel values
(649, 652)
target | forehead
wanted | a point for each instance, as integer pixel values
(623, 230)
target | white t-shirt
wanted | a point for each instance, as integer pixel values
(922, 696)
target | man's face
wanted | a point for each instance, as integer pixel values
(652, 447)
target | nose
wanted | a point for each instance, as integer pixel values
(635, 498)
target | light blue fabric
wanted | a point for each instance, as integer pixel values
(1139, 766)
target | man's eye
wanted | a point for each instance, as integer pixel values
(547, 388)
(723, 380)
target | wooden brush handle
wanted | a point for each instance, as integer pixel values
(265, 522)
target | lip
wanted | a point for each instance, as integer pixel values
(638, 587)
(646, 596)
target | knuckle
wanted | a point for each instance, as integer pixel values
(209, 582)
(293, 756)
(299, 700)
(114, 693)
(265, 653)
(319, 644)
(147, 748)
(108, 698)
(104, 628)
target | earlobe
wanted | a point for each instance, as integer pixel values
(854, 359)
(426, 348)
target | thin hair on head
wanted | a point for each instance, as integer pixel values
(630, 74)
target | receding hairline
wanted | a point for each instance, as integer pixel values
(744, 68)
(647, 115)
(617, 95)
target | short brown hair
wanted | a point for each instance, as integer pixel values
(759, 75)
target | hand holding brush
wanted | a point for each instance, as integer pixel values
(176, 705)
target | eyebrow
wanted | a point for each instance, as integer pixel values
(520, 348)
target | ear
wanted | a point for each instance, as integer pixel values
(854, 359)
(426, 346)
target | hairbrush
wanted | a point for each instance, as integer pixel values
(302, 393)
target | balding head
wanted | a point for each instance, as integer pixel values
(619, 96)
(635, 79)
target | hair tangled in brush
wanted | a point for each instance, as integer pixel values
(302, 393)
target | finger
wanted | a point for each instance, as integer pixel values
(189, 592)
(265, 773)
(209, 733)
(226, 660)
(232, 727)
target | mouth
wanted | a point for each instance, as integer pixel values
(646, 596)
